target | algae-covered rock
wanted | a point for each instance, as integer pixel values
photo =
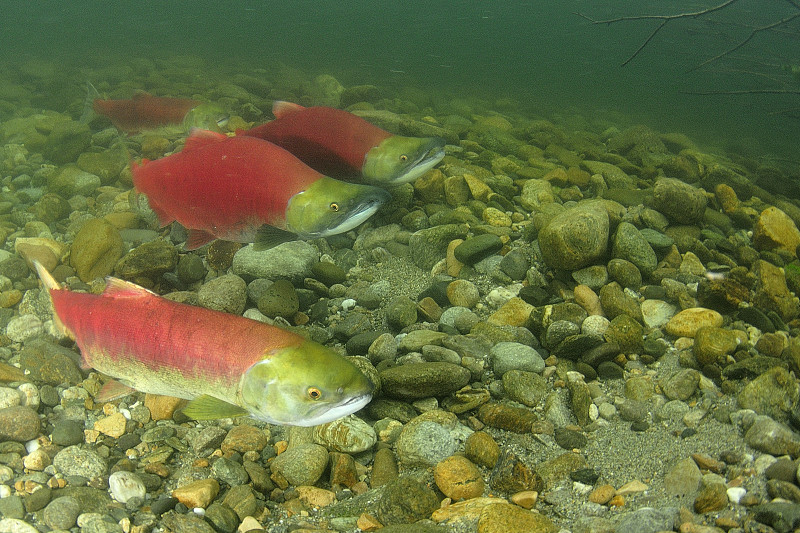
(575, 238)
(630, 245)
(106, 165)
(71, 180)
(774, 393)
(679, 201)
(96, 249)
(150, 260)
(66, 141)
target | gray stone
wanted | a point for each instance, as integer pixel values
(430, 244)
(290, 260)
(75, 461)
(679, 201)
(507, 356)
(631, 246)
(774, 438)
(301, 465)
(227, 293)
(424, 443)
(423, 380)
(125, 486)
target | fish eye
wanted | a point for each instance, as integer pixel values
(403, 158)
(334, 206)
(314, 393)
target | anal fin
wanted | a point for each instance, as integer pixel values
(207, 407)
(197, 238)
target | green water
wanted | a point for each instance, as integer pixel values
(540, 54)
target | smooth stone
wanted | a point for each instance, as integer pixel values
(95, 250)
(401, 312)
(423, 380)
(75, 461)
(463, 293)
(458, 478)
(482, 449)
(679, 201)
(774, 393)
(774, 229)
(511, 475)
(681, 385)
(430, 244)
(625, 273)
(148, 260)
(687, 322)
(575, 238)
(227, 293)
(19, 423)
(126, 485)
(527, 388)
(507, 356)
(424, 443)
(477, 248)
(657, 313)
(300, 465)
(279, 299)
(199, 493)
(772, 437)
(290, 260)
(630, 245)
(712, 344)
(507, 518)
(683, 479)
(62, 513)
(347, 435)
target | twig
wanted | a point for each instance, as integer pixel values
(746, 40)
(745, 91)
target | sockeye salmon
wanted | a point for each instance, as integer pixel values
(246, 189)
(345, 146)
(227, 365)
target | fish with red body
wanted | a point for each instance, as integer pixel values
(144, 111)
(246, 189)
(343, 145)
(226, 364)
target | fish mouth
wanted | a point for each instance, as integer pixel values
(328, 413)
(358, 213)
(428, 157)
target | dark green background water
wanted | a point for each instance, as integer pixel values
(539, 53)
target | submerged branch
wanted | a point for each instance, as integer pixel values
(745, 91)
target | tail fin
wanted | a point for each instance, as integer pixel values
(51, 284)
(88, 105)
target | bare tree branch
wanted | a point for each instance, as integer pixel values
(747, 39)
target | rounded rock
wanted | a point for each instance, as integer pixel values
(62, 513)
(227, 293)
(477, 248)
(74, 461)
(279, 299)
(423, 380)
(687, 322)
(424, 443)
(126, 485)
(463, 293)
(347, 435)
(458, 478)
(19, 423)
(575, 238)
(507, 356)
(301, 465)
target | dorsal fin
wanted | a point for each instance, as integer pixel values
(198, 138)
(281, 108)
(119, 288)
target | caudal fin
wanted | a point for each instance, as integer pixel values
(89, 113)
(50, 284)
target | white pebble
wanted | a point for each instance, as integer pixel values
(735, 494)
(32, 445)
(14, 525)
(5, 491)
(23, 327)
(30, 395)
(199, 511)
(126, 485)
(348, 304)
(9, 397)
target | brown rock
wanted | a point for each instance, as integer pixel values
(315, 497)
(112, 425)
(525, 499)
(19, 423)
(384, 467)
(95, 250)
(775, 230)
(198, 493)
(244, 438)
(515, 312)
(588, 299)
(482, 449)
(458, 478)
(468, 510)
(771, 292)
(343, 469)
(712, 345)
(507, 518)
(602, 494)
(511, 475)
(506, 417)
(726, 197)
(162, 407)
(713, 497)
(687, 322)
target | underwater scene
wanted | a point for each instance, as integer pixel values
(409, 267)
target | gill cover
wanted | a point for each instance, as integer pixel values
(304, 385)
(330, 206)
(400, 159)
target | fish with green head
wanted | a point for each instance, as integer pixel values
(245, 189)
(227, 365)
(345, 146)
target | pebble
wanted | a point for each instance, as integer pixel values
(772, 437)
(19, 423)
(300, 465)
(774, 229)
(631, 246)
(458, 478)
(679, 201)
(657, 313)
(291, 260)
(575, 238)
(507, 518)
(279, 299)
(76, 461)
(227, 293)
(112, 425)
(506, 417)
(477, 248)
(511, 475)
(62, 513)
(405, 500)
(126, 485)
(424, 443)
(687, 322)
(347, 435)
(198, 493)
(401, 312)
(482, 449)
(463, 293)
(422, 380)
(507, 356)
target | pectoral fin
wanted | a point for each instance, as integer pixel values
(269, 236)
(207, 407)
